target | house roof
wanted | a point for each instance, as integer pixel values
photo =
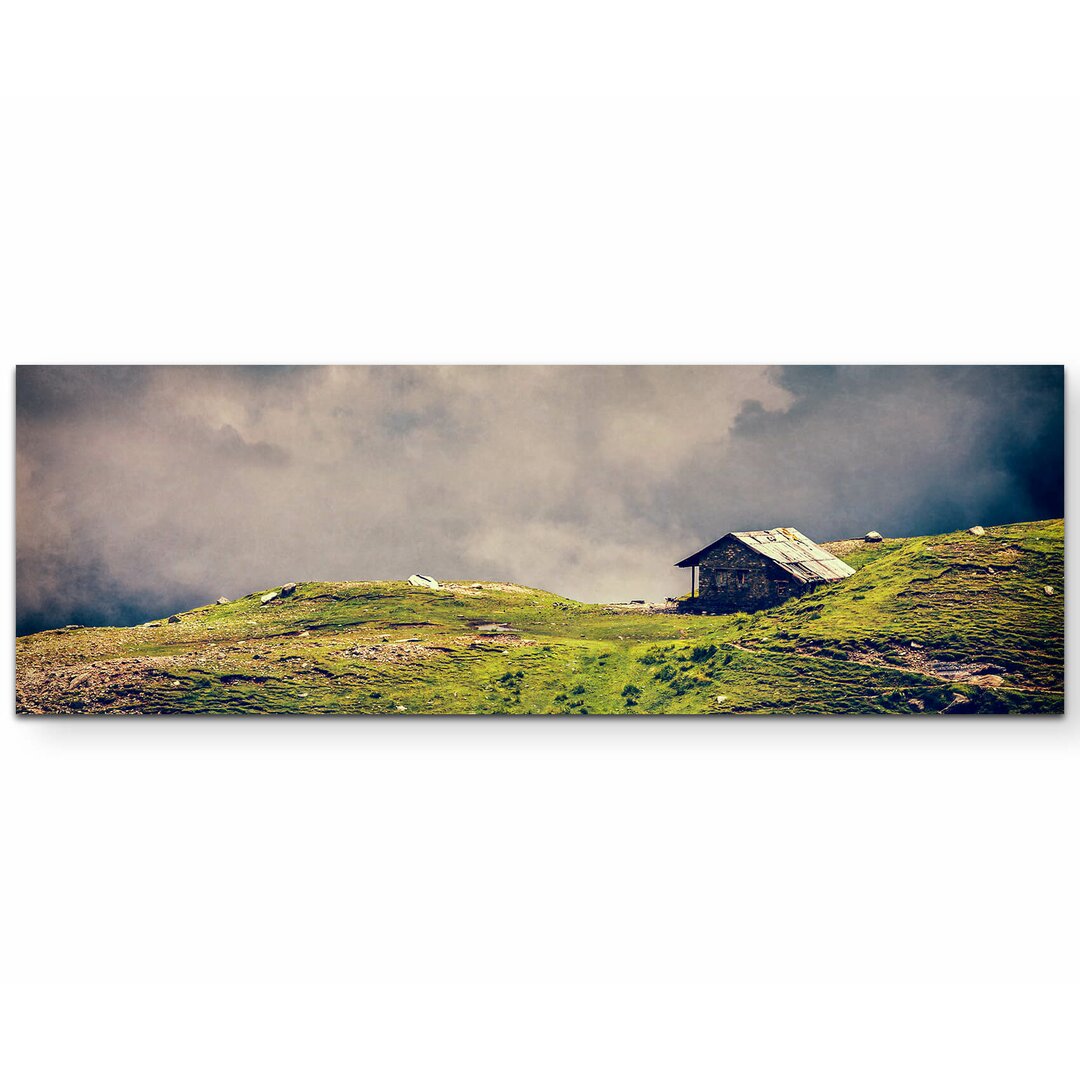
(792, 552)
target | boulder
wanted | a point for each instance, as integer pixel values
(289, 589)
(173, 618)
(424, 581)
(1048, 589)
(873, 537)
(268, 597)
(223, 600)
(977, 530)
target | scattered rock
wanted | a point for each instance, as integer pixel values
(268, 597)
(305, 633)
(986, 680)
(400, 708)
(78, 680)
(74, 626)
(721, 698)
(151, 624)
(176, 682)
(914, 644)
(223, 600)
(173, 618)
(1048, 589)
(977, 530)
(289, 589)
(990, 570)
(916, 704)
(476, 585)
(424, 581)
(873, 537)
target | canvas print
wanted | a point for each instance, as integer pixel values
(548, 540)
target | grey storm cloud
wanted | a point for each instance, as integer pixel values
(145, 490)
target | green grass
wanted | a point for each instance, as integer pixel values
(970, 602)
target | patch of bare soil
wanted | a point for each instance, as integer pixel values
(105, 686)
(641, 609)
(1004, 556)
(411, 652)
(840, 548)
(390, 652)
(915, 659)
(498, 639)
(494, 586)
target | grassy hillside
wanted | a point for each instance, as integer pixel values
(952, 623)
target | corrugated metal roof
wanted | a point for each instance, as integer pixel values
(790, 550)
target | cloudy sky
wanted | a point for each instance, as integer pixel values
(146, 490)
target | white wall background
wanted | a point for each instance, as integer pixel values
(586, 182)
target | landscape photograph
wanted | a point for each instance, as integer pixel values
(558, 541)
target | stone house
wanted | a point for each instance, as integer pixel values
(746, 571)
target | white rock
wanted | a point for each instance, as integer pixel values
(425, 581)
(1048, 589)
(268, 597)
(223, 600)
(976, 530)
